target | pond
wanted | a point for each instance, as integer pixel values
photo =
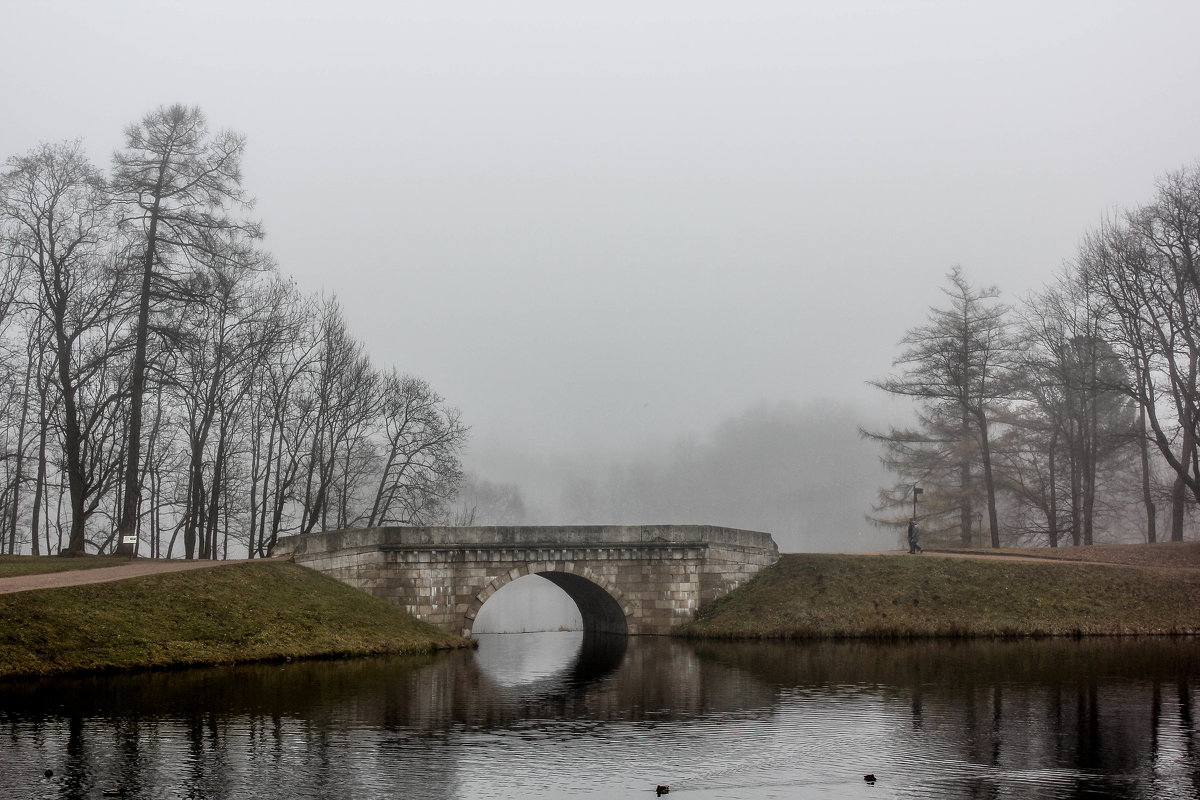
(557, 715)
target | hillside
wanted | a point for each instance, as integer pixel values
(900, 596)
(237, 613)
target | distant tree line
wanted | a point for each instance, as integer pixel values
(1073, 418)
(796, 471)
(164, 390)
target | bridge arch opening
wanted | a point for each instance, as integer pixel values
(600, 612)
(530, 604)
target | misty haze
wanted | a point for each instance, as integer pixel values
(646, 262)
(845, 332)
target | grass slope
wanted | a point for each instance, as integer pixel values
(893, 596)
(235, 613)
(14, 566)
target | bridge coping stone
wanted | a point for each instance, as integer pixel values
(565, 537)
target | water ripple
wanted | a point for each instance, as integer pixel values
(1052, 721)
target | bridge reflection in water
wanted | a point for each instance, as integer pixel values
(1042, 719)
(557, 666)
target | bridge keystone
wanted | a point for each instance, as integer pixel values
(636, 579)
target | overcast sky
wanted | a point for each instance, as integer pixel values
(593, 224)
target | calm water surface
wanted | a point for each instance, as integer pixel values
(553, 715)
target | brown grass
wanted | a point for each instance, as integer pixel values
(901, 596)
(237, 613)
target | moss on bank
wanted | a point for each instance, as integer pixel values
(235, 613)
(899, 596)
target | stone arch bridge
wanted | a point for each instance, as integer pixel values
(635, 579)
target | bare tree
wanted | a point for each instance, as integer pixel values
(219, 355)
(179, 188)
(959, 364)
(276, 429)
(422, 439)
(1076, 392)
(147, 347)
(342, 400)
(62, 233)
(1147, 266)
(13, 281)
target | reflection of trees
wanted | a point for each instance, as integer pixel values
(285, 726)
(942, 664)
(1103, 718)
(1187, 728)
(76, 779)
(1089, 705)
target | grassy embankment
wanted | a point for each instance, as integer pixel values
(235, 613)
(901, 596)
(12, 566)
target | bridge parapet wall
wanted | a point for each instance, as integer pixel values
(526, 535)
(656, 576)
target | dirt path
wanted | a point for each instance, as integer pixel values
(982, 554)
(150, 566)
(79, 577)
(1002, 557)
(1044, 558)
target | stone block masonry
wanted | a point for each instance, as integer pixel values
(635, 579)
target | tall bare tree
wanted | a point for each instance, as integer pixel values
(14, 387)
(219, 354)
(148, 347)
(180, 190)
(343, 399)
(1147, 265)
(958, 365)
(63, 233)
(277, 431)
(1076, 393)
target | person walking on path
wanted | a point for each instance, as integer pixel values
(914, 536)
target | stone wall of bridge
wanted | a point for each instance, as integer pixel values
(625, 579)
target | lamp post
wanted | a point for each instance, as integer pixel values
(917, 491)
(979, 518)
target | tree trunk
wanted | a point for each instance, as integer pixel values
(72, 442)
(1179, 490)
(216, 491)
(1147, 497)
(965, 516)
(19, 473)
(1076, 488)
(39, 485)
(1052, 517)
(1090, 457)
(127, 529)
(989, 483)
(195, 501)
